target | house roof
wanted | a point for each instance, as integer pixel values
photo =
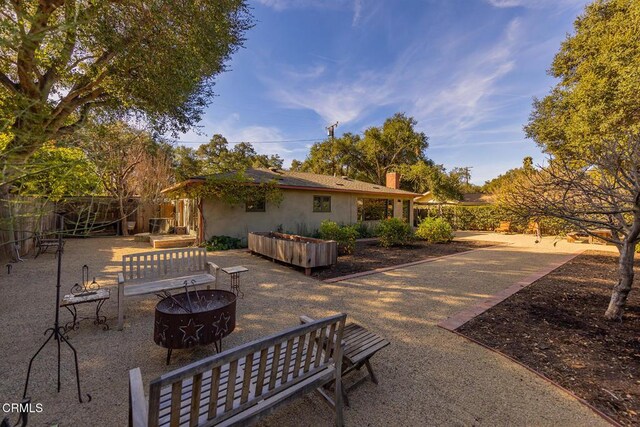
(471, 199)
(305, 181)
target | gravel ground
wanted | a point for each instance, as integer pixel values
(428, 376)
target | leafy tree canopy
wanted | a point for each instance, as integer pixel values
(425, 176)
(60, 59)
(502, 182)
(54, 172)
(233, 189)
(382, 149)
(596, 98)
(216, 157)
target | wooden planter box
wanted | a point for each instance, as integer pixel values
(301, 251)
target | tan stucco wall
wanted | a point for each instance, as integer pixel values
(295, 214)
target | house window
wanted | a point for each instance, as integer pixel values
(257, 205)
(322, 203)
(374, 209)
(406, 210)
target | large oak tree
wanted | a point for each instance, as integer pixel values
(589, 124)
(380, 150)
(60, 60)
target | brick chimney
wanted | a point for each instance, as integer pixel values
(393, 180)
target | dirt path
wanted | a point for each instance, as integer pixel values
(428, 376)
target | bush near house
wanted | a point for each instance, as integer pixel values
(394, 232)
(487, 218)
(345, 235)
(365, 230)
(435, 230)
(222, 243)
(484, 218)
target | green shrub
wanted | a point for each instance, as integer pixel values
(364, 230)
(487, 218)
(394, 232)
(435, 230)
(345, 235)
(222, 243)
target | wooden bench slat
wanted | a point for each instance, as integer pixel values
(311, 342)
(196, 390)
(330, 343)
(287, 359)
(261, 371)
(274, 367)
(363, 340)
(368, 351)
(354, 333)
(320, 347)
(176, 393)
(213, 389)
(231, 385)
(298, 359)
(246, 383)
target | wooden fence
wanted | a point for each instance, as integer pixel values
(29, 215)
(86, 216)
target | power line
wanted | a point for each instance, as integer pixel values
(250, 142)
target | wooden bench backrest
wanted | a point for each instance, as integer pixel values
(234, 393)
(163, 263)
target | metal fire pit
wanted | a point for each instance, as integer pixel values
(194, 318)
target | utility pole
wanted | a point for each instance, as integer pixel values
(331, 133)
(331, 130)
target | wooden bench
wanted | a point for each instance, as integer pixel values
(359, 345)
(158, 271)
(246, 382)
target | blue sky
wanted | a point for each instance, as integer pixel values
(466, 70)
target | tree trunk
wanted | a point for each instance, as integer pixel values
(625, 280)
(123, 218)
(7, 237)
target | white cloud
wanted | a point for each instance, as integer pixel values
(281, 5)
(535, 4)
(444, 99)
(357, 11)
(463, 101)
(507, 3)
(334, 101)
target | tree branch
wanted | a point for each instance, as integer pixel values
(9, 84)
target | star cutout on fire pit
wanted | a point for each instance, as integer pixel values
(191, 332)
(222, 324)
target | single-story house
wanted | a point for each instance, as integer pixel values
(468, 199)
(307, 200)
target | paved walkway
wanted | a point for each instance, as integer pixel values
(428, 376)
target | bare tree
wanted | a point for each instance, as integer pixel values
(153, 174)
(116, 150)
(602, 191)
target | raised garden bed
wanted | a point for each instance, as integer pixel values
(369, 255)
(556, 327)
(300, 251)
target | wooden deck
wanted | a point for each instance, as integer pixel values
(166, 241)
